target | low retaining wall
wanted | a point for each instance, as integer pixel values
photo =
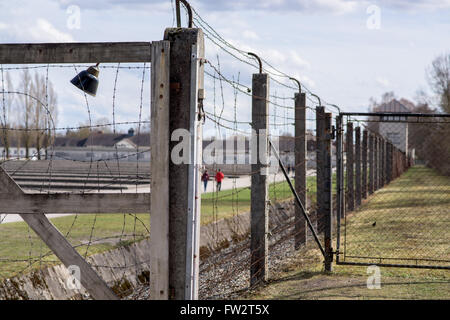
(127, 267)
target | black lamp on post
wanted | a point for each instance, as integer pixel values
(87, 80)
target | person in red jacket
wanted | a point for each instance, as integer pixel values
(219, 178)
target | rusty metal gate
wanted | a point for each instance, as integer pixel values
(393, 189)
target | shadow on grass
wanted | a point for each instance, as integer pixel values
(361, 285)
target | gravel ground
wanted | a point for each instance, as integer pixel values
(225, 274)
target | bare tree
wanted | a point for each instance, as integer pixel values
(438, 76)
(7, 101)
(51, 116)
(25, 109)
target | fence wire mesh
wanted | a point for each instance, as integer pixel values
(397, 190)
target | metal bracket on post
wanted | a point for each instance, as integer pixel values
(257, 58)
(298, 83)
(178, 13)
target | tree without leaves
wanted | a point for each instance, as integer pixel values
(25, 107)
(8, 100)
(438, 76)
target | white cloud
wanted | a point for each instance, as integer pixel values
(384, 82)
(250, 35)
(45, 31)
(416, 4)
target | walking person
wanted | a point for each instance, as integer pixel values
(205, 179)
(219, 178)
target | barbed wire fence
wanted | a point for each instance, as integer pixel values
(77, 170)
(226, 255)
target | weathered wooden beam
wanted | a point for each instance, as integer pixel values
(62, 248)
(15, 201)
(76, 203)
(81, 52)
(159, 225)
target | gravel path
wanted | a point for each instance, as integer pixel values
(225, 274)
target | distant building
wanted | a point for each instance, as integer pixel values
(103, 146)
(395, 128)
(240, 154)
(17, 149)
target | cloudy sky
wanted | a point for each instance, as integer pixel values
(344, 51)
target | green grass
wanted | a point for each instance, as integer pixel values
(18, 242)
(412, 212)
(226, 203)
(411, 215)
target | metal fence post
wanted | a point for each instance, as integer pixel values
(358, 166)
(259, 184)
(300, 228)
(350, 168)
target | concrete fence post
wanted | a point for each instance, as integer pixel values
(324, 171)
(389, 163)
(376, 162)
(371, 186)
(364, 165)
(350, 168)
(186, 81)
(259, 214)
(300, 228)
(383, 163)
(358, 192)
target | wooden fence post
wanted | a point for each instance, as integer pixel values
(186, 85)
(350, 169)
(364, 165)
(259, 184)
(358, 192)
(324, 195)
(300, 168)
(159, 205)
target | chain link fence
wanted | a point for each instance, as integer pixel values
(397, 190)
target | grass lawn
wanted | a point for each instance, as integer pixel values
(412, 221)
(18, 242)
(227, 203)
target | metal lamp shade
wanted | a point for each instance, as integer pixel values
(87, 80)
